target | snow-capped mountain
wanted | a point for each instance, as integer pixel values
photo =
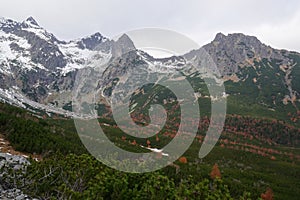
(35, 66)
(39, 70)
(34, 63)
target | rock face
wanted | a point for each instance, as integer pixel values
(36, 63)
(91, 42)
(8, 161)
(256, 72)
(41, 44)
(14, 194)
(230, 52)
(16, 162)
(37, 66)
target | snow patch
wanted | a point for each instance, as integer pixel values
(80, 58)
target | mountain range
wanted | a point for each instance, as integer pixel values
(38, 70)
(256, 154)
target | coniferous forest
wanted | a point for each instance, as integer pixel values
(244, 165)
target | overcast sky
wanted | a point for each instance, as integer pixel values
(274, 22)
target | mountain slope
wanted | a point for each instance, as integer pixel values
(257, 73)
(35, 63)
(39, 72)
(35, 66)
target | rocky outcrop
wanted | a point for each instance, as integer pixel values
(234, 50)
(91, 42)
(11, 162)
(35, 63)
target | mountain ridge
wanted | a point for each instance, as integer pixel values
(37, 65)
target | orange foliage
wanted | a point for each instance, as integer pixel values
(273, 158)
(268, 195)
(133, 142)
(183, 159)
(215, 172)
(148, 143)
(157, 138)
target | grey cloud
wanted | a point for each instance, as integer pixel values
(201, 20)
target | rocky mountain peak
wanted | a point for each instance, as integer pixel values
(123, 45)
(2, 20)
(124, 40)
(30, 21)
(238, 39)
(92, 41)
(234, 50)
(7, 23)
(42, 68)
(219, 36)
(97, 36)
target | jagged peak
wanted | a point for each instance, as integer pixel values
(122, 45)
(2, 20)
(30, 21)
(236, 37)
(219, 36)
(92, 41)
(125, 40)
(97, 35)
(7, 22)
(124, 37)
(243, 36)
